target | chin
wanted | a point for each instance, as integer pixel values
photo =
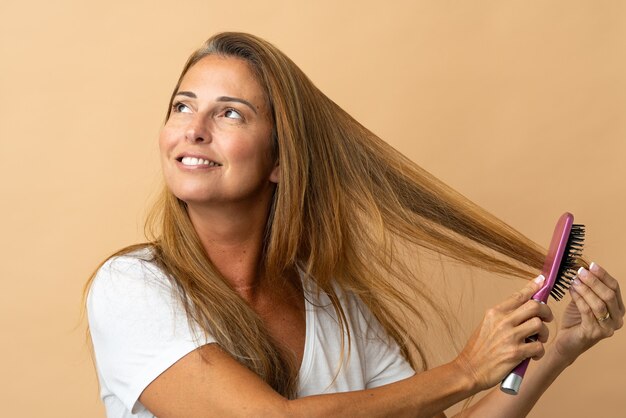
(194, 198)
(191, 194)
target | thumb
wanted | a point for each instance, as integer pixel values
(520, 297)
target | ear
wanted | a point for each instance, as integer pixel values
(275, 174)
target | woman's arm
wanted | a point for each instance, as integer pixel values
(538, 378)
(220, 386)
(593, 295)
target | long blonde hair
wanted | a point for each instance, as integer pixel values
(345, 200)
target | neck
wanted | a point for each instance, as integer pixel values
(233, 239)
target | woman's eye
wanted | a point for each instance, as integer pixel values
(232, 114)
(181, 108)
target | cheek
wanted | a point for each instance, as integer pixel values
(254, 160)
(240, 152)
(253, 150)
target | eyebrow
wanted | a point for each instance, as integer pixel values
(219, 99)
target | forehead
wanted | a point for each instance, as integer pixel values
(214, 76)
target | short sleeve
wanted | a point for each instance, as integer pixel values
(384, 362)
(138, 327)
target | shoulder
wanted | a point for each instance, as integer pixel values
(136, 268)
(128, 284)
(138, 263)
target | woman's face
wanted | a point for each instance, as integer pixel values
(216, 145)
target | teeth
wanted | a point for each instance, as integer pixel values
(191, 161)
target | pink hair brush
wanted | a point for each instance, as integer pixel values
(559, 270)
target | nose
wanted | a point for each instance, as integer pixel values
(197, 131)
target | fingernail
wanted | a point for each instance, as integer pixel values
(539, 279)
(582, 272)
(594, 267)
(576, 282)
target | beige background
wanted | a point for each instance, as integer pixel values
(520, 105)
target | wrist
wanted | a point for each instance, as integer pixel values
(553, 358)
(467, 377)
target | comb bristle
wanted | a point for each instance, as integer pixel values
(571, 255)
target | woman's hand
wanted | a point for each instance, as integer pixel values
(595, 312)
(499, 343)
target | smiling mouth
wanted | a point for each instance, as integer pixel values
(193, 162)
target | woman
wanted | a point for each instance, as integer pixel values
(273, 285)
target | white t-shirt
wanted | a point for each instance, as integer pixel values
(139, 329)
